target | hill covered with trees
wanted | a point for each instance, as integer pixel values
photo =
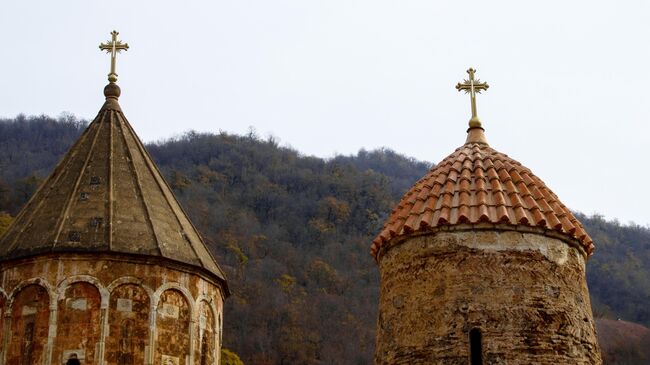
(293, 234)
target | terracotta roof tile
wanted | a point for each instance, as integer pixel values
(502, 214)
(477, 184)
(539, 219)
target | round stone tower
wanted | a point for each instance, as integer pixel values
(104, 266)
(482, 264)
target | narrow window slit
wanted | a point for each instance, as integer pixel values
(475, 347)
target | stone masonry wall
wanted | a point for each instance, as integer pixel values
(128, 319)
(204, 353)
(26, 336)
(78, 323)
(172, 329)
(525, 292)
(106, 310)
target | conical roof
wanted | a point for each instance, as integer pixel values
(107, 195)
(481, 188)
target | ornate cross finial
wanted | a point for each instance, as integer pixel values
(113, 47)
(473, 87)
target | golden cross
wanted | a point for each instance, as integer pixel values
(473, 87)
(113, 47)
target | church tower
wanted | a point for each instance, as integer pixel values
(103, 265)
(481, 263)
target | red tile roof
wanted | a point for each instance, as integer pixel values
(477, 184)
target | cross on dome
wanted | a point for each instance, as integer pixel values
(113, 47)
(473, 87)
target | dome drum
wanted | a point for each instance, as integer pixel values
(480, 227)
(524, 292)
(107, 309)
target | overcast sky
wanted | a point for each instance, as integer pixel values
(568, 79)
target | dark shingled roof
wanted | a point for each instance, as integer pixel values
(477, 184)
(107, 195)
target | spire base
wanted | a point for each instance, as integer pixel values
(476, 135)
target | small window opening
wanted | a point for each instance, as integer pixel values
(475, 347)
(74, 236)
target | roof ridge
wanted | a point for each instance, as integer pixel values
(68, 203)
(40, 190)
(109, 167)
(157, 177)
(139, 186)
(154, 168)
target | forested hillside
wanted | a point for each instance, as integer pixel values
(293, 234)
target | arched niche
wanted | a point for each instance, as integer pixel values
(128, 323)
(173, 317)
(30, 316)
(78, 328)
(206, 335)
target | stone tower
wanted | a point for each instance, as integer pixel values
(103, 264)
(481, 263)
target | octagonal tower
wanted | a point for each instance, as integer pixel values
(481, 263)
(103, 264)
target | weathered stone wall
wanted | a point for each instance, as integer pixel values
(78, 323)
(128, 320)
(107, 310)
(526, 293)
(26, 336)
(204, 354)
(172, 329)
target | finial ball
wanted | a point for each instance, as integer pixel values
(112, 90)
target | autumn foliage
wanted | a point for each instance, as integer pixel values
(293, 233)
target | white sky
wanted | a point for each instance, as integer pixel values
(568, 78)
